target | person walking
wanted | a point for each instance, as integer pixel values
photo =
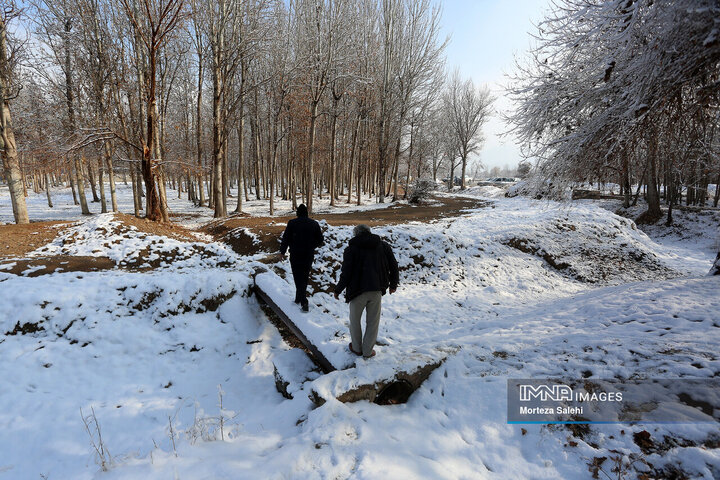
(369, 269)
(302, 236)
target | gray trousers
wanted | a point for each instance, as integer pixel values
(371, 303)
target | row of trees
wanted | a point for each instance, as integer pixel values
(274, 98)
(625, 91)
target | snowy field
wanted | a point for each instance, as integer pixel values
(519, 289)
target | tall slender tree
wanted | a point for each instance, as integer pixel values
(8, 148)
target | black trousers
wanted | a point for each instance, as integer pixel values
(301, 265)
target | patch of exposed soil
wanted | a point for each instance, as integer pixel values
(37, 266)
(525, 247)
(269, 229)
(19, 240)
(170, 230)
(646, 218)
(25, 329)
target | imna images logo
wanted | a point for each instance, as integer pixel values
(544, 393)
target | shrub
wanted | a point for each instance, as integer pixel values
(420, 190)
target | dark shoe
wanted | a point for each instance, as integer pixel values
(353, 351)
(305, 307)
(297, 301)
(369, 356)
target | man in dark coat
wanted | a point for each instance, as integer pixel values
(302, 236)
(369, 269)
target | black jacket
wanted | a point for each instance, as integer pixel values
(368, 266)
(303, 236)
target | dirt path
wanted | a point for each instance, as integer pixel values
(269, 229)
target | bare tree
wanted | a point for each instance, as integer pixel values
(55, 22)
(337, 95)
(152, 21)
(98, 62)
(467, 108)
(319, 23)
(200, 44)
(8, 148)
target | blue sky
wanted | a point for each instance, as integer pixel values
(486, 35)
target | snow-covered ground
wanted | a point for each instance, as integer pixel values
(694, 233)
(519, 289)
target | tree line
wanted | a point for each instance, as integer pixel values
(276, 99)
(625, 91)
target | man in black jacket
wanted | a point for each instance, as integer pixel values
(302, 235)
(369, 268)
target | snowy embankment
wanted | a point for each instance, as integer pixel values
(518, 289)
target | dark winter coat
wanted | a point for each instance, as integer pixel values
(302, 236)
(368, 266)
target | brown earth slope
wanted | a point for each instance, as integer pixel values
(19, 240)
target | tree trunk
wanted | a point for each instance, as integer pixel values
(218, 160)
(626, 180)
(353, 146)
(671, 191)
(47, 189)
(134, 182)
(256, 154)
(101, 185)
(653, 198)
(311, 154)
(69, 98)
(111, 177)
(358, 187)
(80, 181)
(333, 180)
(91, 178)
(71, 178)
(241, 165)
(198, 132)
(11, 167)
(271, 188)
(153, 208)
(410, 154)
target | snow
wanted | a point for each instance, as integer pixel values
(691, 242)
(105, 235)
(149, 350)
(329, 333)
(487, 191)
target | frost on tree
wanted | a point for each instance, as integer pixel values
(624, 91)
